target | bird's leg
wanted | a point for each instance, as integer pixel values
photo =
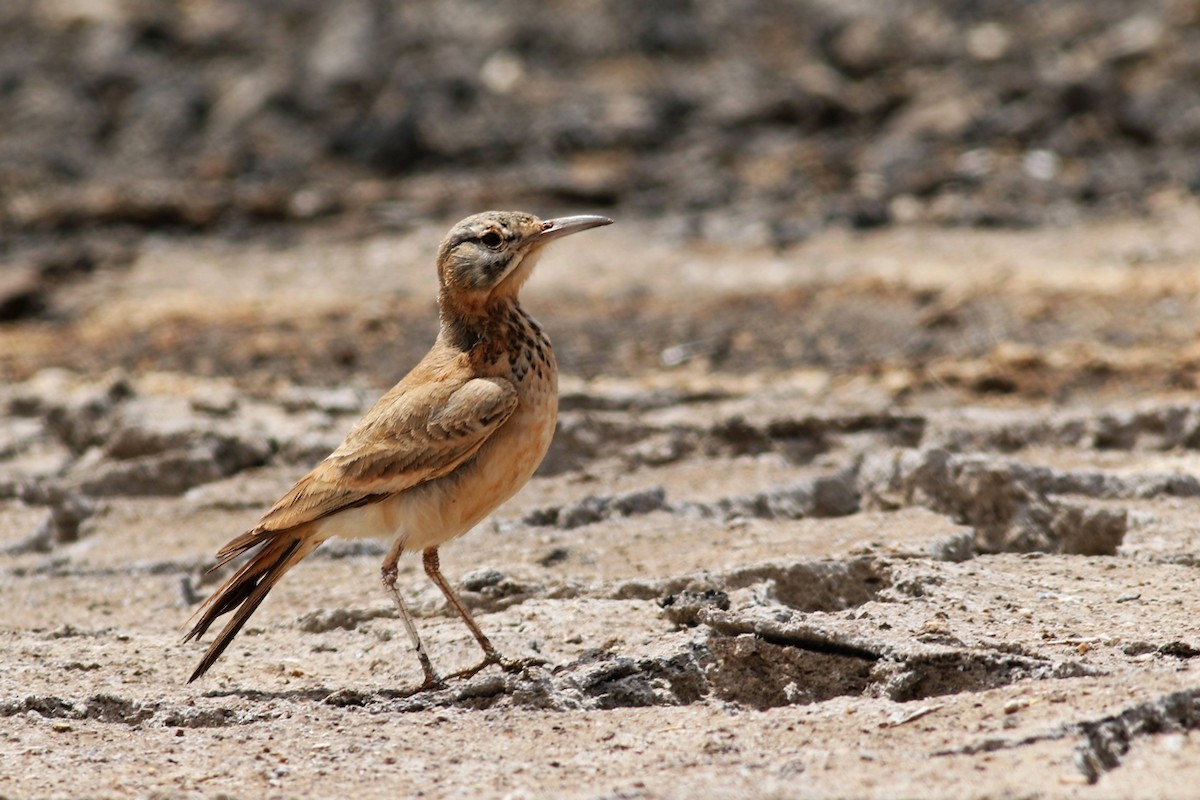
(490, 656)
(389, 572)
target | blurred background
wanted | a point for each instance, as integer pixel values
(786, 116)
(750, 124)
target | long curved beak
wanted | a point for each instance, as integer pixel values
(564, 226)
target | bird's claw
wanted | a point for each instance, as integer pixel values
(489, 659)
(508, 665)
(431, 683)
(521, 664)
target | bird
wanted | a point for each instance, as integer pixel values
(456, 437)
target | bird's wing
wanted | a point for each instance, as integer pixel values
(413, 434)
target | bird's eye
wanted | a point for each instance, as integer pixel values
(491, 239)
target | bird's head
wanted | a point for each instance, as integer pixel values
(490, 255)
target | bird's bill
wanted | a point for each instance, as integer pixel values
(564, 226)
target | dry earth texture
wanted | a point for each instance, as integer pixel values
(906, 513)
(841, 504)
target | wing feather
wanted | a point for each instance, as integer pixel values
(412, 435)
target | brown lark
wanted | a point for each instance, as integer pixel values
(455, 438)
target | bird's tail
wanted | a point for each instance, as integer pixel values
(244, 591)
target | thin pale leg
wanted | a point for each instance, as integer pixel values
(389, 572)
(434, 571)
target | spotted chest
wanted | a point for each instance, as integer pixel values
(516, 348)
(527, 359)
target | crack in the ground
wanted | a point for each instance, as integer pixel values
(822, 496)
(994, 744)
(761, 660)
(109, 708)
(787, 633)
(1106, 740)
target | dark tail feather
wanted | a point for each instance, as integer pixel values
(240, 544)
(245, 591)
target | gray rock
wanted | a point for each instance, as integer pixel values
(1011, 506)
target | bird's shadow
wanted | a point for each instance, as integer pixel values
(530, 683)
(470, 692)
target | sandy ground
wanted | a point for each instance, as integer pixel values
(909, 513)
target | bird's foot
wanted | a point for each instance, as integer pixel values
(488, 660)
(521, 664)
(431, 683)
(508, 665)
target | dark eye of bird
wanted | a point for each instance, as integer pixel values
(491, 239)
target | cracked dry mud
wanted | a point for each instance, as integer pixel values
(941, 543)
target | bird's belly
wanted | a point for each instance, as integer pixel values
(444, 508)
(502, 466)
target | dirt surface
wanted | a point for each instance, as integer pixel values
(900, 513)
(878, 467)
